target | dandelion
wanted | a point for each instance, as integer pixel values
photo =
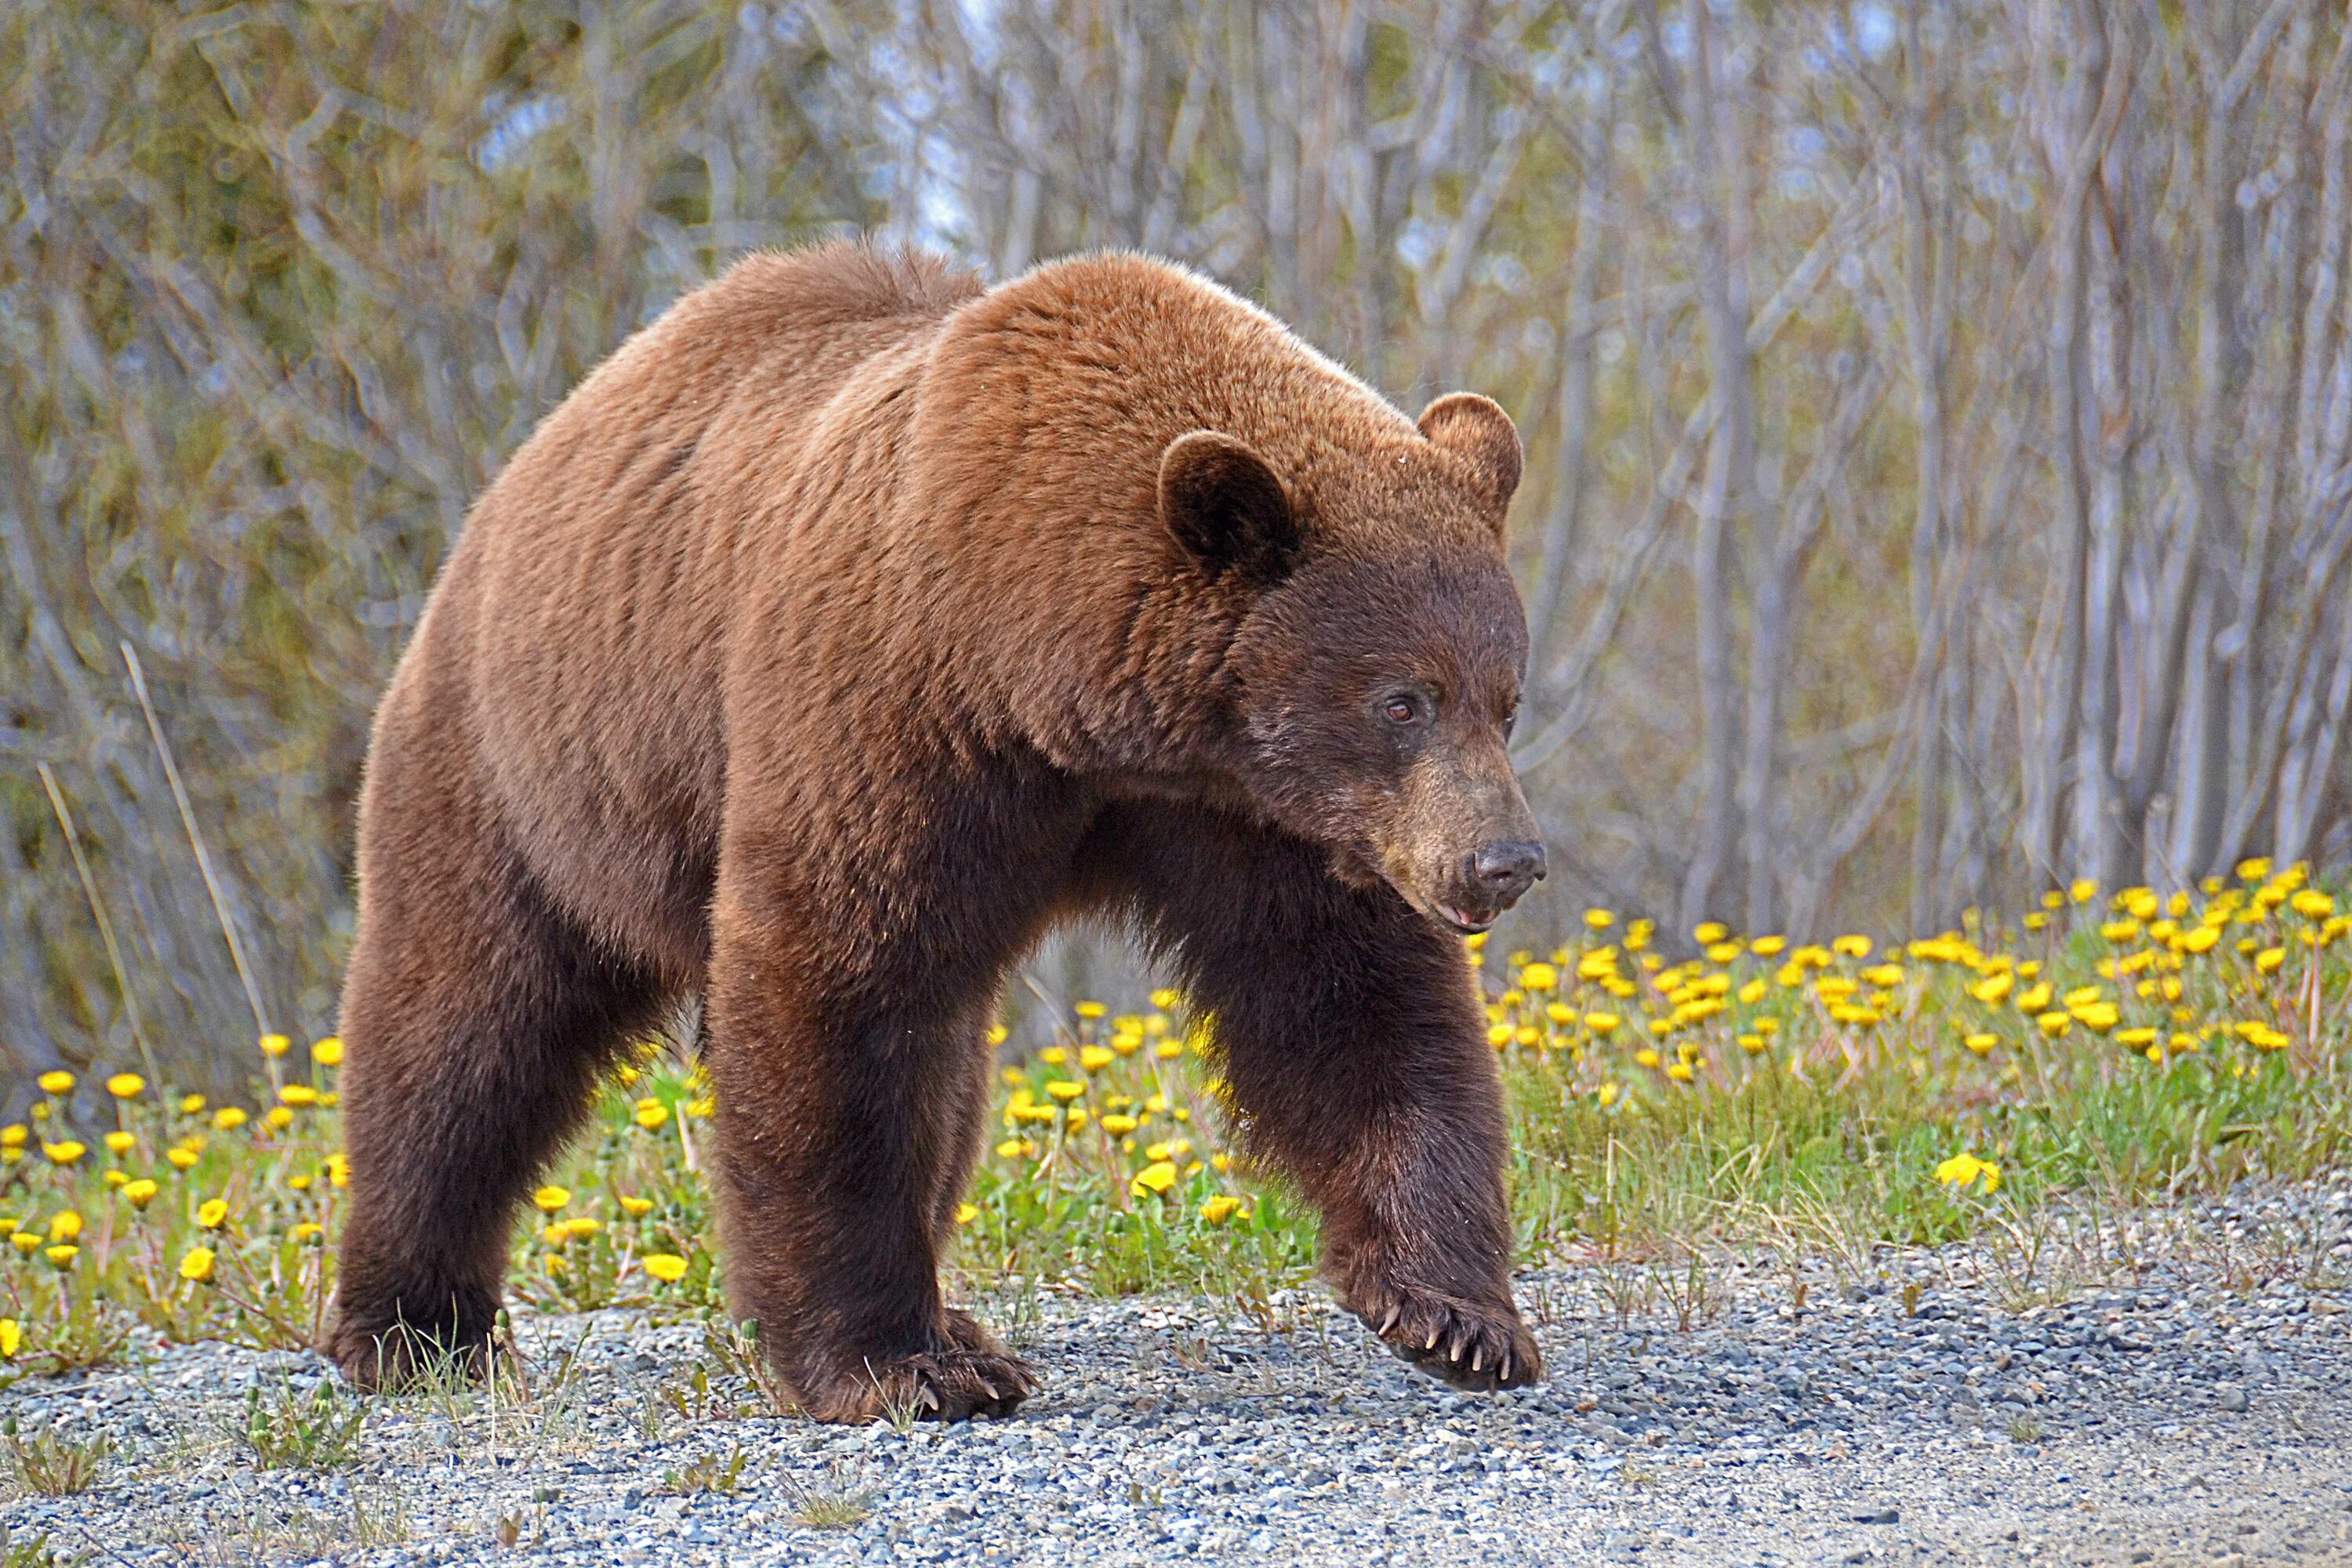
(180, 1158)
(196, 1265)
(298, 1094)
(1008, 1150)
(140, 1192)
(329, 1052)
(213, 1213)
(1094, 1058)
(650, 1114)
(1064, 1090)
(229, 1118)
(1220, 1208)
(1961, 1170)
(667, 1267)
(126, 1086)
(12, 1338)
(275, 1045)
(1090, 1010)
(1538, 977)
(635, 1208)
(56, 1081)
(1154, 1179)
(339, 1171)
(192, 1104)
(61, 1256)
(1851, 946)
(967, 1213)
(24, 1240)
(1981, 1043)
(63, 1154)
(118, 1145)
(65, 1226)
(1768, 946)
(2269, 959)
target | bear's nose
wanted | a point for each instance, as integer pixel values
(1506, 867)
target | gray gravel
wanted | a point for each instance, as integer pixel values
(2184, 1402)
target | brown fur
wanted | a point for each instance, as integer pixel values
(844, 630)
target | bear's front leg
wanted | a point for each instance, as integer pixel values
(1349, 1032)
(846, 1093)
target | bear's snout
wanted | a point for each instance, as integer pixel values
(1503, 869)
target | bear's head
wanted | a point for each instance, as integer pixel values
(1378, 652)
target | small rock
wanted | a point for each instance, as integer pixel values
(2232, 1399)
(1880, 1516)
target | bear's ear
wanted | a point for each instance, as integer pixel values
(1476, 430)
(1227, 508)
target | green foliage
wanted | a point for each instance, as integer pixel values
(289, 1431)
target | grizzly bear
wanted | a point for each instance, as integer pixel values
(847, 629)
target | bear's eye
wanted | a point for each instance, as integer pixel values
(1510, 722)
(1401, 709)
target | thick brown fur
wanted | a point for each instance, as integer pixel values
(844, 631)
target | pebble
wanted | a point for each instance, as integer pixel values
(1963, 1422)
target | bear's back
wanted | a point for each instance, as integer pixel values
(588, 602)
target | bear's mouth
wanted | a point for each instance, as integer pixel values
(1462, 921)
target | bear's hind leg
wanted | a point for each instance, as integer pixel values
(477, 1020)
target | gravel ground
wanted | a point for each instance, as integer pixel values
(1916, 1407)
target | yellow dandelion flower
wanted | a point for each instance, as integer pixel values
(1981, 1043)
(65, 1152)
(1538, 977)
(339, 1171)
(1090, 1010)
(306, 1231)
(191, 1104)
(65, 1226)
(2269, 959)
(12, 1338)
(1120, 1125)
(1065, 1090)
(967, 1213)
(667, 1267)
(228, 1119)
(140, 1192)
(126, 1086)
(650, 1114)
(213, 1213)
(24, 1240)
(1094, 1058)
(55, 1082)
(1220, 1208)
(1153, 1179)
(1054, 1057)
(298, 1094)
(196, 1265)
(2253, 870)
(118, 1143)
(276, 1046)
(551, 1200)
(1768, 946)
(13, 1136)
(62, 1255)
(279, 1117)
(1851, 946)
(635, 1208)
(181, 1159)
(328, 1052)
(1008, 1149)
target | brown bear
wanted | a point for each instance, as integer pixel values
(844, 631)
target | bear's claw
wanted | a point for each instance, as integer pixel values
(1485, 1346)
(950, 1385)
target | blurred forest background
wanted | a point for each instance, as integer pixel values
(1937, 410)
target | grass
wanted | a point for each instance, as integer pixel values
(2114, 1050)
(54, 1466)
(289, 1431)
